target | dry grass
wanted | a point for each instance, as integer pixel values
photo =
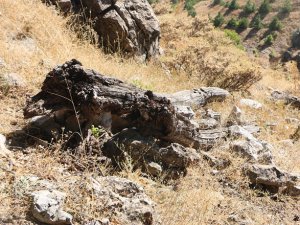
(31, 45)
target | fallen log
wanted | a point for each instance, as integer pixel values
(75, 99)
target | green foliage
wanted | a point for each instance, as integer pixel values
(265, 7)
(275, 24)
(235, 37)
(257, 23)
(233, 5)
(218, 20)
(233, 23)
(189, 6)
(269, 40)
(249, 8)
(96, 131)
(243, 23)
(287, 7)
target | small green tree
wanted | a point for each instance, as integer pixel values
(265, 7)
(233, 5)
(233, 23)
(275, 24)
(257, 23)
(287, 7)
(218, 20)
(249, 8)
(243, 23)
(216, 2)
(269, 40)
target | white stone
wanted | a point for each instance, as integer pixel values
(251, 103)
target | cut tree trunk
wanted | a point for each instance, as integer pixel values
(73, 99)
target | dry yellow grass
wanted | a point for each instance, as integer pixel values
(36, 39)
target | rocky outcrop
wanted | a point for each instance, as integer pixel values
(127, 26)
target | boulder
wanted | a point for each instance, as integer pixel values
(207, 124)
(215, 162)
(129, 26)
(13, 80)
(235, 117)
(125, 200)
(47, 207)
(272, 178)
(239, 131)
(255, 150)
(140, 149)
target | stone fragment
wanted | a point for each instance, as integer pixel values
(125, 200)
(47, 207)
(3, 150)
(251, 103)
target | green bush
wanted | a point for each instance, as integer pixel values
(243, 23)
(189, 6)
(265, 7)
(234, 36)
(257, 23)
(269, 40)
(287, 7)
(233, 5)
(249, 8)
(275, 24)
(233, 23)
(218, 20)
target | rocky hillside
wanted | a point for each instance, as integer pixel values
(170, 123)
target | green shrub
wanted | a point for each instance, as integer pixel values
(275, 24)
(218, 20)
(232, 23)
(233, 5)
(269, 40)
(152, 1)
(249, 8)
(189, 6)
(265, 7)
(234, 36)
(243, 23)
(257, 23)
(287, 7)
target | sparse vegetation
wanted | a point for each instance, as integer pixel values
(233, 5)
(243, 23)
(189, 6)
(249, 7)
(196, 55)
(257, 23)
(275, 24)
(218, 20)
(287, 7)
(232, 23)
(265, 7)
(269, 39)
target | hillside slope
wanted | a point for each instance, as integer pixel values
(37, 38)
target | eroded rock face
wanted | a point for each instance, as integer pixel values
(128, 26)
